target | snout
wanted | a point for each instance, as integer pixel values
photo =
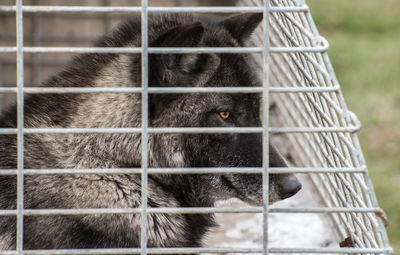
(288, 186)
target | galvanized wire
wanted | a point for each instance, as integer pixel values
(208, 250)
(166, 50)
(130, 9)
(144, 126)
(317, 109)
(20, 126)
(265, 118)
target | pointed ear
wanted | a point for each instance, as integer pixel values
(182, 69)
(241, 26)
(183, 36)
(169, 66)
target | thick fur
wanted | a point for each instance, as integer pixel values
(124, 150)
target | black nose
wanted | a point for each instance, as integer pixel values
(289, 187)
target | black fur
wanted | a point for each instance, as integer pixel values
(124, 150)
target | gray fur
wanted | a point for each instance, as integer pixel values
(124, 150)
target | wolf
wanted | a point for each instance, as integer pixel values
(123, 150)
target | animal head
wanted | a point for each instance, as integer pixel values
(213, 109)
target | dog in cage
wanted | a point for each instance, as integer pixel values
(123, 150)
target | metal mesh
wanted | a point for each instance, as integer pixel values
(346, 183)
(306, 104)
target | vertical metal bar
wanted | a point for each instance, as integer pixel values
(265, 114)
(145, 97)
(20, 126)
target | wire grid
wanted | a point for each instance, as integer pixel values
(322, 108)
(309, 108)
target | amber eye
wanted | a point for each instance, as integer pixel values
(224, 115)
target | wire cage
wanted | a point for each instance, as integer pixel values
(300, 91)
(333, 150)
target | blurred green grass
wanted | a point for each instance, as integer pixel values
(364, 37)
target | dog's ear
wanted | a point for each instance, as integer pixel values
(183, 36)
(185, 69)
(241, 26)
(189, 35)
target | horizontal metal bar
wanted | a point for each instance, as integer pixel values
(51, 38)
(52, 90)
(209, 170)
(130, 9)
(181, 130)
(331, 250)
(8, 90)
(188, 130)
(324, 210)
(231, 50)
(154, 50)
(8, 49)
(188, 210)
(281, 130)
(53, 9)
(385, 250)
(8, 131)
(80, 130)
(303, 89)
(187, 170)
(228, 9)
(136, 50)
(168, 90)
(166, 210)
(7, 212)
(166, 50)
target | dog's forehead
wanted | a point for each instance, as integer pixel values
(237, 102)
(236, 71)
(245, 102)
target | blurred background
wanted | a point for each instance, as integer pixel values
(364, 37)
